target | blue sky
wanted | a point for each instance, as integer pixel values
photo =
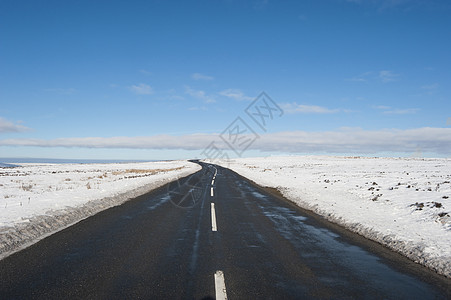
(162, 79)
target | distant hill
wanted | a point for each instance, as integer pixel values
(2, 165)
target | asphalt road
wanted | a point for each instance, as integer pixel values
(212, 235)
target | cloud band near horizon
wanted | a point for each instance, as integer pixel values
(345, 140)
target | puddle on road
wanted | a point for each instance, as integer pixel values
(338, 264)
(258, 195)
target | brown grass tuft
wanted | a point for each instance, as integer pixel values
(144, 171)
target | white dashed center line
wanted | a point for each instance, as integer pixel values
(211, 192)
(213, 182)
(213, 218)
(220, 287)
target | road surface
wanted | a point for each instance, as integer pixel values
(212, 235)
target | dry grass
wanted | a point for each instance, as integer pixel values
(145, 171)
(27, 187)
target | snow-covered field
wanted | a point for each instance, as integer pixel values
(403, 203)
(39, 199)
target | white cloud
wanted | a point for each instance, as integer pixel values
(384, 107)
(405, 111)
(235, 94)
(357, 79)
(359, 141)
(294, 108)
(8, 126)
(197, 108)
(195, 141)
(383, 75)
(199, 76)
(199, 94)
(396, 111)
(346, 140)
(142, 89)
(388, 76)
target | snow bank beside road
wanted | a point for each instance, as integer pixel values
(39, 199)
(403, 203)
